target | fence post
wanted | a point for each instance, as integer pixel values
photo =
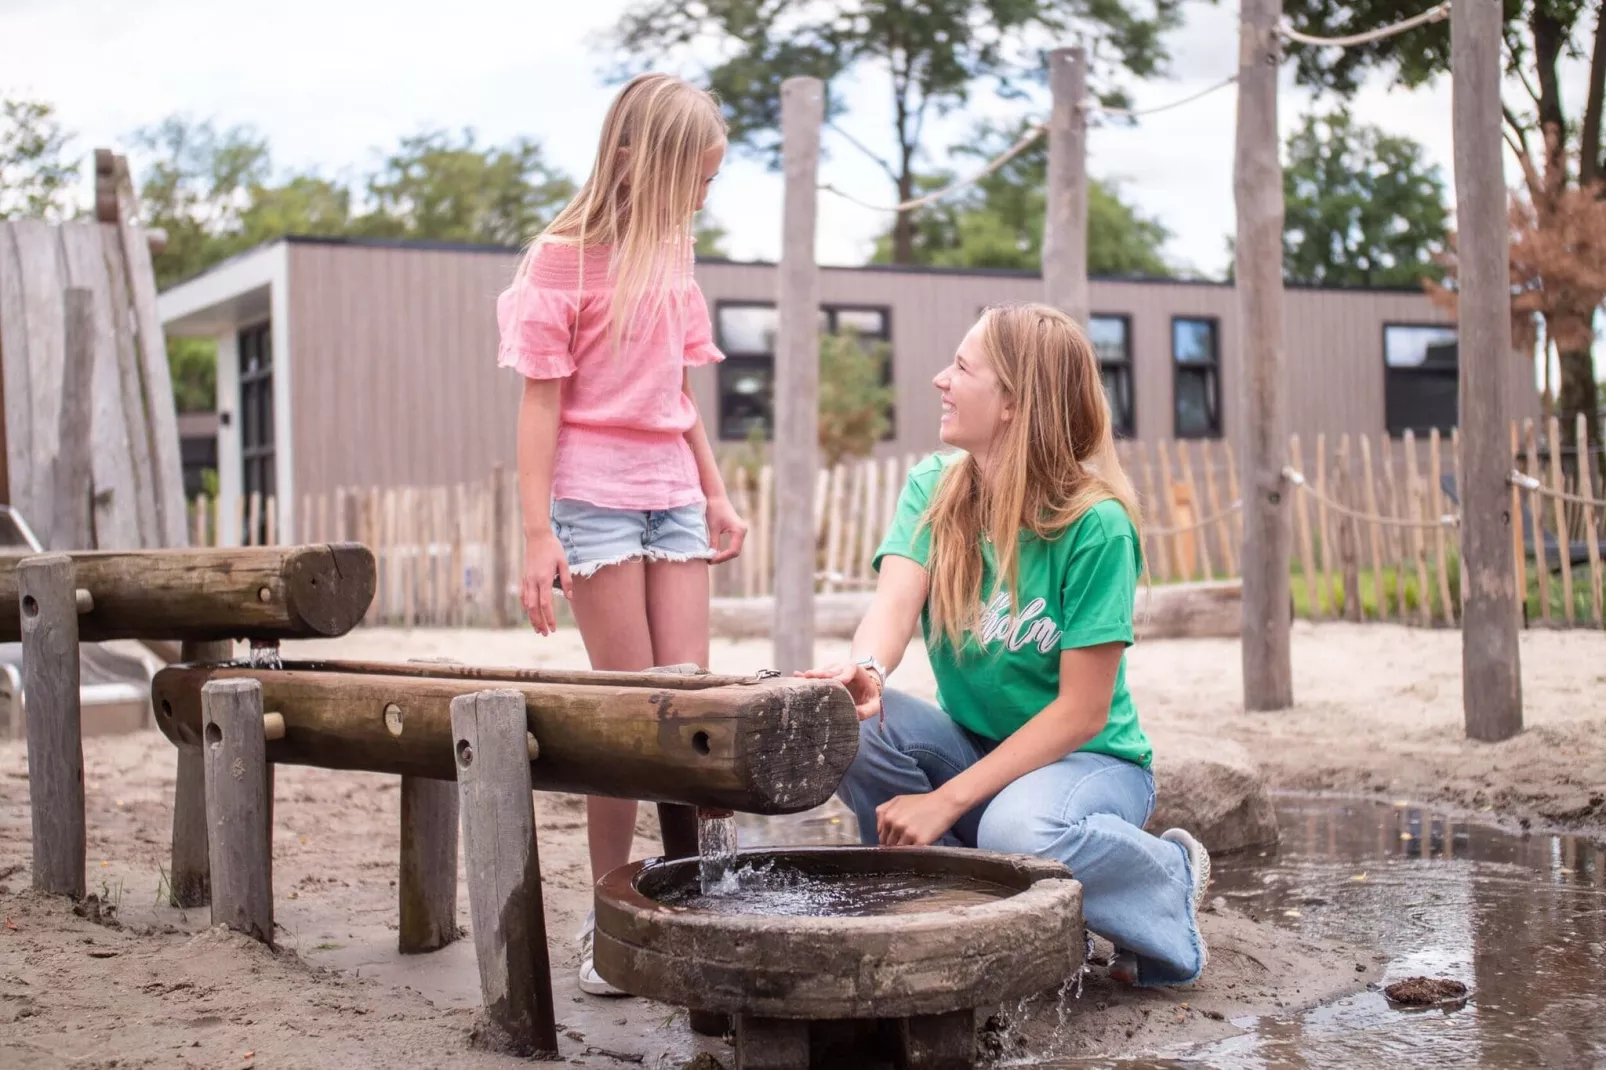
(239, 800)
(50, 677)
(797, 376)
(1490, 664)
(1258, 193)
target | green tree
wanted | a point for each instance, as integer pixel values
(36, 174)
(1363, 207)
(1561, 231)
(998, 222)
(855, 398)
(192, 362)
(436, 188)
(711, 236)
(934, 55)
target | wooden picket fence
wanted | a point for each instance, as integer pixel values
(1375, 529)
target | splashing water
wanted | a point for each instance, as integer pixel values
(265, 654)
(716, 850)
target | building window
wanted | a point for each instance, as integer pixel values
(1196, 366)
(745, 332)
(256, 419)
(1111, 336)
(1421, 383)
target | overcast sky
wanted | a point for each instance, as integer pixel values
(333, 82)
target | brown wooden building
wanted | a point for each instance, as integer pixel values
(345, 362)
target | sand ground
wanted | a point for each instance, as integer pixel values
(1377, 713)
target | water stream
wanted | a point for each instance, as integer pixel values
(1520, 919)
(717, 843)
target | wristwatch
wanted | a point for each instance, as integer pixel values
(873, 664)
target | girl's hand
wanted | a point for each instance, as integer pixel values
(544, 559)
(915, 820)
(723, 521)
(861, 683)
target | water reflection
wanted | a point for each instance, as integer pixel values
(1520, 919)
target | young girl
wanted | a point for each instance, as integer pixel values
(1020, 557)
(619, 487)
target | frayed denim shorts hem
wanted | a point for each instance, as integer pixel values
(594, 536)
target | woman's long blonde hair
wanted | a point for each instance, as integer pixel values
(641, 194)
(1051, 462)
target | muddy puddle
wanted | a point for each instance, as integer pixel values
(1520, 919)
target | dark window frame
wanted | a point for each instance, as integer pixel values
(1211, 372)
(739, 361)
(1124, 424)
(258, 452)
(1453, 373)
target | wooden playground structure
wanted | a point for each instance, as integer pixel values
(766, 745)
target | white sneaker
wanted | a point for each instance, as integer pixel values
(1199, 862)
(591, 981)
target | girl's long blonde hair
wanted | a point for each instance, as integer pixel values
(1050, 463)
(642, 193)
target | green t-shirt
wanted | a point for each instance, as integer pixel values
(1076, 590)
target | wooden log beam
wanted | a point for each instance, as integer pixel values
(270, 592)
(759, 746)
(55, 733)
(239, 800)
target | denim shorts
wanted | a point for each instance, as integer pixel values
(593, 536)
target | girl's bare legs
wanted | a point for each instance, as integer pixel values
(677, 611)
(611, 608)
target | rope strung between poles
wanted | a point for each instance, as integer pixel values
(1527, 482)
(1436, 13)
(1032, 133)
(1448, 520)
(1133, 113)
(1183, 529)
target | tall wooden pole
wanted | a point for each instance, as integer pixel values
(1258, 190)
(1065, 222)
(1490, 670)
(797, 377)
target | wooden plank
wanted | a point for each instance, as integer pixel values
(71, 526)
(41, 279)
(189, 880)
(253, 519)
(1307, 562)
(1563, 535)
(1181, 548)
(870, 530)
(1224, 539)
(16, 397)
(125, 351)
(45, 599)
(1201, 534)
(270, 521)
(766, 529)
(1233, 493)
(1439, 508)
(1349, 533)
(121, 520)
(457, 585)
(1536, 516)
(1519, 553)
(1491, 671)
(797, 374)
(1374, 534)
(504, 869)
(161, 420)
(1161, 548)
(373, 536)
(1415, 511)
(1597, 590)
(1328, 556)
(1395, 543)
(202, 534)
(238, 807)
(833, 539)
(500, 574)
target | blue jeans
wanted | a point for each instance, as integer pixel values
(1085, 810)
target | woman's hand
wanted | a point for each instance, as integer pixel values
(544, 559)
(723, 521)
(915, 820)
(861, 683)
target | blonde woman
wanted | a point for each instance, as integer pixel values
(1019, 556)
(623, 504)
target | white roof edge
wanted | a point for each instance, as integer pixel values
(240, 274)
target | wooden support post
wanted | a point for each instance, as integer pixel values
(499, 554)
(1258, 191)
(797, 376)
(72, 484)
(426, 885)
(771, 1043)
(190, 879)
(504, 868)
(1065, 221)
(937, 1041)
(1591, 526)
(677, 826)
(1307, 555)
(1490, 661)
(238, 800)
(50, 681)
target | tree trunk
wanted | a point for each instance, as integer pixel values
(1578, 394)
(903, 228)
